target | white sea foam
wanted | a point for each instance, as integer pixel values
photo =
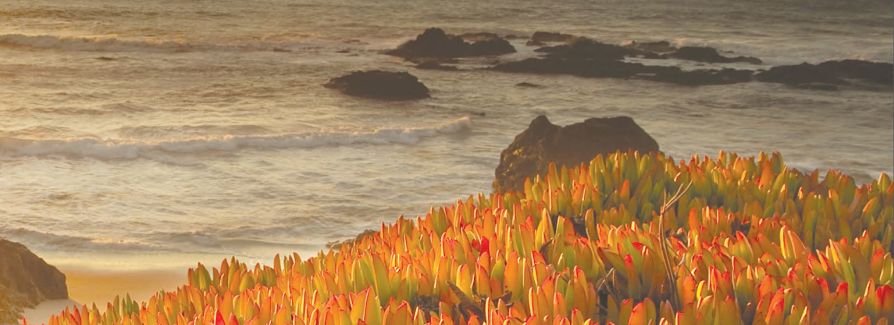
(117, 149)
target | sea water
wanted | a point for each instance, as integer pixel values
(140, 134)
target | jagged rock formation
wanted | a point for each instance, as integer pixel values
(543, 142)
(435, 43)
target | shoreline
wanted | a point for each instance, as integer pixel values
(88, 286)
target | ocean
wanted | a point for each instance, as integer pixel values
(156, 134)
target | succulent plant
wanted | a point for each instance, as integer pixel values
(748, 241)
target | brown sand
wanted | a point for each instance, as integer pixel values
(86, 286)
(100, 287)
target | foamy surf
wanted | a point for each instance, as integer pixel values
(118, 149)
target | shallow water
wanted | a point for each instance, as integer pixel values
(140, 134)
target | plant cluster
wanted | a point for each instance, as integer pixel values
(744, 240)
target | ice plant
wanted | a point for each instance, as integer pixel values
(749, 241)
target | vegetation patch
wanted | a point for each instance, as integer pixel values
(706, 241)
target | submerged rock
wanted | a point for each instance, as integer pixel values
(25, 281)
(525, 84)
(435, 43)
(380, 85)
(543, 142)
(709, 55)
(829, 74)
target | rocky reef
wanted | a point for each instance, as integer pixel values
(830, 74)
(544, 143)
(568, 54)
(380, 84)
(709, 55)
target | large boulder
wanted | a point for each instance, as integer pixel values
(543, 142)
(830, 73)
(380, 84)
(25, 280)
(435, 43)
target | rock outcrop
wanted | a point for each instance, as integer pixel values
(602, 68)
(709, 55)
(435, 43)
(543, 142)
(592, 59)
(380, 84)
(830, 74)
(540, 38)
(584, 48)
(25, 281)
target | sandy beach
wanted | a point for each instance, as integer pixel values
(87, 286)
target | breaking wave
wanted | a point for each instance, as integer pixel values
(111, 149)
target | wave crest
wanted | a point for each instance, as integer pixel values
(108, 149)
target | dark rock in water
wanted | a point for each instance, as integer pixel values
(578, 67)
(543, 142)
(830, 73)
(658, 47)
(435, 65)
(619, 69)
(709, 55)
(541, 38)
(434, 43)
(380, 85)
(25, 280)
(585, 48)
(701, 77)
(528, 85)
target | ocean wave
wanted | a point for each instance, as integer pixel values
(196, 130)
(34, 238)
(112, 44)
(89, 43)
(113, 149)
